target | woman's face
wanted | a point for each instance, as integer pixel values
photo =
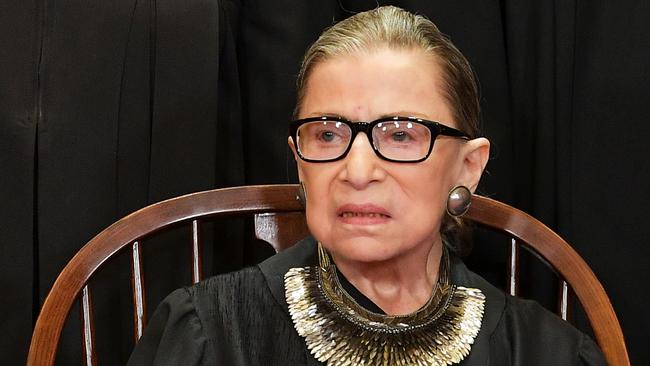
(363, 208)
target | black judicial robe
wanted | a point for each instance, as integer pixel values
(241, 318)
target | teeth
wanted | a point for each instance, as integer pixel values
(361, 214)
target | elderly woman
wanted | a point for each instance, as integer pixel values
(387, 151)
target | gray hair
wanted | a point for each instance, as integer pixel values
(395, 28)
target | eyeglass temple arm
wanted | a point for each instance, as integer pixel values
(448, 131)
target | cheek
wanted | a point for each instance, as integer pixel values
(425, 183)
(320, 223)
(317, 182)
(425, 189)
(445, 169)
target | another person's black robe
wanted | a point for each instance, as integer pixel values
(241, 318)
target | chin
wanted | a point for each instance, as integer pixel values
(364, 250)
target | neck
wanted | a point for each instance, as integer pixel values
(400, 285)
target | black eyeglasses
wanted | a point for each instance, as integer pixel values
(398, 139)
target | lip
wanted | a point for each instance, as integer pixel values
(362, 214)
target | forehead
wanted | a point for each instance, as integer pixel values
(383, 82)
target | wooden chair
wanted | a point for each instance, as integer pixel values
(275, 207)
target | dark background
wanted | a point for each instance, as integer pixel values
(107, 106)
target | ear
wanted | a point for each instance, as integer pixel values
(292, 146)
(476, 153)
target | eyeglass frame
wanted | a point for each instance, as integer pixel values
(436, 129)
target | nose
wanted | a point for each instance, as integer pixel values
(362, 165)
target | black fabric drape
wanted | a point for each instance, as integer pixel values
(19, 49)
(106, 107)
(610, 170)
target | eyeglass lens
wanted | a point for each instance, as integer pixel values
(395, 140)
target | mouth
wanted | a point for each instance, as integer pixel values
(363, 214)
(348, 214)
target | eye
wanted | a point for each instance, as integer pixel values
(327, 136)
(400, 136)
(335, 134)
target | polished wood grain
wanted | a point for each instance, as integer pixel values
(280, 230)
(276, 207)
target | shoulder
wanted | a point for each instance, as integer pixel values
(517, 331)
(232, 297)
(245, 281)
(185, 325)
(264, 282)
(221, 294)
(302, 254)
(258, 287)
(529, 330)
(531, 317)
(235, 305)
(214, 292)
(229, 319)
(505, 311)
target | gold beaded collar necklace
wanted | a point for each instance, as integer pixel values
(338, 331)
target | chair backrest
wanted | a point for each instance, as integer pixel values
(279, 220)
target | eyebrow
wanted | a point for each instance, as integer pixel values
(404, 114)
(385, 115)
(321, 114)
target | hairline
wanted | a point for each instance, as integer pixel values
(378, 46)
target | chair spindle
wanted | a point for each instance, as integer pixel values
(137, 285)
(564, 300)
(513, 268)
(197, 251)
(89, 353)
